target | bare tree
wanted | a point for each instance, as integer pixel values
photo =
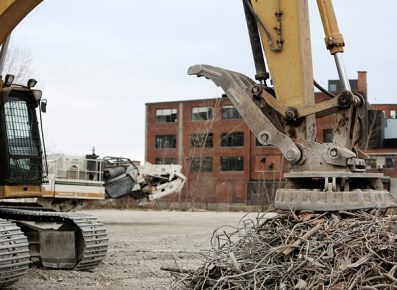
(197, 162)
(201, 139)
(374, 128)
(18, 63)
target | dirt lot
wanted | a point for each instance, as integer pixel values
(140, 243)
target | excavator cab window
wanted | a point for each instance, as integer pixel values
(20, 148)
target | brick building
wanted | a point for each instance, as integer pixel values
(384, 154)
(220, 156)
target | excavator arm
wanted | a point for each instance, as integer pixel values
(280, 109)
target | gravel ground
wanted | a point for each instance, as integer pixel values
(140, 243)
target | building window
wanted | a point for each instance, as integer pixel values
(332, 87)
(230, 112)
(203, 164)
(165, 141)
(328, 135)
(202, 113)
(232, 139)
(371, 163)
(165, 161)
(201, 140)
(392, 114)
(166, 115)
(380, 162)
(389, 162)
(232, 163)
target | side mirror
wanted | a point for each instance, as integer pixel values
(43, 106)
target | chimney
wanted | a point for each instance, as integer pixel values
(362, 82)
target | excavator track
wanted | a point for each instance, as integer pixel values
(14, 253)
(92, 234)
(96, 241)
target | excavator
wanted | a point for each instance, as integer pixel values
(279, 107)
(31, 234)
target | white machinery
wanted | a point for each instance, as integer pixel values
(76, 177)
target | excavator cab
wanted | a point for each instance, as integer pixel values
(20, 142)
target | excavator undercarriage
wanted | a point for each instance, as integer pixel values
(61, 240)
(50, 239)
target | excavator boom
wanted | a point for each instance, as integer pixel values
(12, 12)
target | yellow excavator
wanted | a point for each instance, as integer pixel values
(68, 240)
(42, 235)
(280, 109)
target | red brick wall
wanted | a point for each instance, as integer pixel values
(362, 82)
(223, 186)
(387, 108)
(153, 128)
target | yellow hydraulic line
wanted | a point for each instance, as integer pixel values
(333, 38)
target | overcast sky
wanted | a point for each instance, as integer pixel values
(98, 62)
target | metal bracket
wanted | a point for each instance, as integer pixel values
(330, 184)
(356, 164)
(337, 155)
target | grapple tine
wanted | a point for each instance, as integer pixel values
(238, 87)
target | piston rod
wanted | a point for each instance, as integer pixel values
(344, 80)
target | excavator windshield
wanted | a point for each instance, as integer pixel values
(21, 145)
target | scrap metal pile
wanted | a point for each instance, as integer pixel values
(343, 250)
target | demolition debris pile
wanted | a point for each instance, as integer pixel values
(344, 250)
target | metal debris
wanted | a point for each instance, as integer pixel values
(345, 250)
